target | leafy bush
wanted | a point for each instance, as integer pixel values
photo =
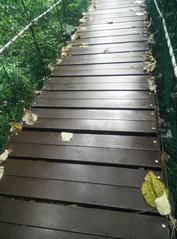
(24, 65)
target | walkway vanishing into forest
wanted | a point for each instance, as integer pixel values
(89, 188)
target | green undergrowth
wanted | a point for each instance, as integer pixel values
(171, 170)
(166, 82)
(25, 64)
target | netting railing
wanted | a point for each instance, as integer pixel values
(164, 28)
(25, 59)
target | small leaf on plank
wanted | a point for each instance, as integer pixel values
(16, 127)
(5, 155)
(66, 137)
(84, 45)
(29, 118)
(1, 172)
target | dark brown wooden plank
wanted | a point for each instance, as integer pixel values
(113, 26)
(118, 15)
(125, 2)
(15, 231)
(143, 115)
(119, 95)
(115, 19)
(120, 32)
(108, 48)
(121, 11)
(115, 1)
(100, 126)
(77, 172)
(128, 66)
(95, 72)
(121, 57)
(114, 8)
(116, 12)
(99, 79)
(115, 5)
(110, 40)
(89, 140)
(95, 103)
(88, 221)
(93, 59)
(115, 197)
(89, 155)
(133, 68)
(96, 87)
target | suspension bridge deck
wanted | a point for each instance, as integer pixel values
(89, 187)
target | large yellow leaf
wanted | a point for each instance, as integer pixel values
(152, 188)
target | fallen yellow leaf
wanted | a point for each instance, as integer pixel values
(5, 155)
(83, 20)
(149, 23)
(74, 36)
(106, 50)
(164, 156)
(152, 84)
(1, 171)
(152, 188)
(29, 118)
(16, 126)
(66, 137)
(84, 45)
(150, 62)
(38, 92)
(163, 205)
(110, 22)
(151, 39)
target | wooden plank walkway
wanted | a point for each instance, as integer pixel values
(89, 188)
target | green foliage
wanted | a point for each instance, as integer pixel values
(166, 86)
(24, 65)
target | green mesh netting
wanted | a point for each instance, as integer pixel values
(166, 86)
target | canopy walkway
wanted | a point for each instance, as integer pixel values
(90, 186)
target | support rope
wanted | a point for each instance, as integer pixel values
(26, 28)
(170, 47)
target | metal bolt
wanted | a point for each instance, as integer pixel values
(154, 141)
(163, 226)
(158, 177)
(151, 105)
(156, 161)
(152, 113)
(153, 128)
